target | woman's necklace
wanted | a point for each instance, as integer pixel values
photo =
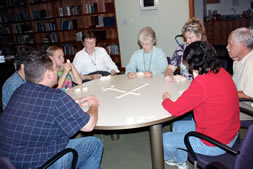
(144, 62)
(93, 58)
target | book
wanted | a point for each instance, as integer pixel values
(68, 11)
(60, 12)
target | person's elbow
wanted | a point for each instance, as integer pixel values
(89, 126)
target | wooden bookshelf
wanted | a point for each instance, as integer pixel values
(41, 23)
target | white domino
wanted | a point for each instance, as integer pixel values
(131, 91)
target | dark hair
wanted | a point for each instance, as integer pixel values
(36, 65)
(22, 53)
(88, 35)
(20, 59)
(201, 56)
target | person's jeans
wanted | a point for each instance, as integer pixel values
(174, 147)
(89, 151)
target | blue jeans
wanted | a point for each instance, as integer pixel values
(89, 151)
(174, 147)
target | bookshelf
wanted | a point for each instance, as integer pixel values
(41, 23)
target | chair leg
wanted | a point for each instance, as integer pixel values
(115, 136)
(195, 165)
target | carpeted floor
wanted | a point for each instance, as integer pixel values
(130, 151)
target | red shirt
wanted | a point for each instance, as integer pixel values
(214, 100)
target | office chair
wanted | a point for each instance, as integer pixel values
(179, 39)
(240, 156)
(5, 163)
(247, 110)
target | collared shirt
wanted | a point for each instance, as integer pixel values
(242, 74)
(99, 61)
(9, 87)
(155, 62)
(177, 60)
(37, 124)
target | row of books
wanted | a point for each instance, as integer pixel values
(69, 49)
(25, 39)
(45, 26)
(39, 14)
(5, 30)
(79, 36)
(22, 28)
(20, 16)
(51, 38)
(4, 19)
(13, 3)
(96, 21)
(113, 49)
(91, 8)
(73, 10)
(68, 24)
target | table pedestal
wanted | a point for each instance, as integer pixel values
(156, 146)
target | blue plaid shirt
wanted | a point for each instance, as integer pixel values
(37, 123)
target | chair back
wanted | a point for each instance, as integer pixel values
(245, 158)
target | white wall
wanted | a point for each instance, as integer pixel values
(224, 7)
(167, 22)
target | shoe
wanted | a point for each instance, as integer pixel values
(179, 165)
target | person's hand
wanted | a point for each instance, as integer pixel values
(113, 72)
(83, 101)
(67, 67)
(131, 75)
(87, 101)
(93, 100)
(169, 78)
(166, 95)
(147, 74)
(95, 76)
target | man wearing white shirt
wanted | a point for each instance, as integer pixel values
(240, 45)
(91, 59)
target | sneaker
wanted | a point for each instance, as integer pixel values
(179, 165)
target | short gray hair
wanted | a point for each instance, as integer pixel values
(147, 33)
(245, 35)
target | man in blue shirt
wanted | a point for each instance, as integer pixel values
(15, 80)
(39, 121)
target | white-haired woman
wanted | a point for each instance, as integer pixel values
(150, 59)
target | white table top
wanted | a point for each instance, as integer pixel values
(143, 108)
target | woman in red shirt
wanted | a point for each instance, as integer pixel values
(213, 98)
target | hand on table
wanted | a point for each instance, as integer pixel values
(113, 72)
(131, 75)
(147, 74)
(169, 78)
(87, 101)
(166, 95)
(95, 76)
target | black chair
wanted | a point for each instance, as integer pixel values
(179, 39)
(247, 110)
(240, 156)
(5, 163)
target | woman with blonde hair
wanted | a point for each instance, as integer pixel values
(192, 31)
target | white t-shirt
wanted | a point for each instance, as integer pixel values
(99, 61)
